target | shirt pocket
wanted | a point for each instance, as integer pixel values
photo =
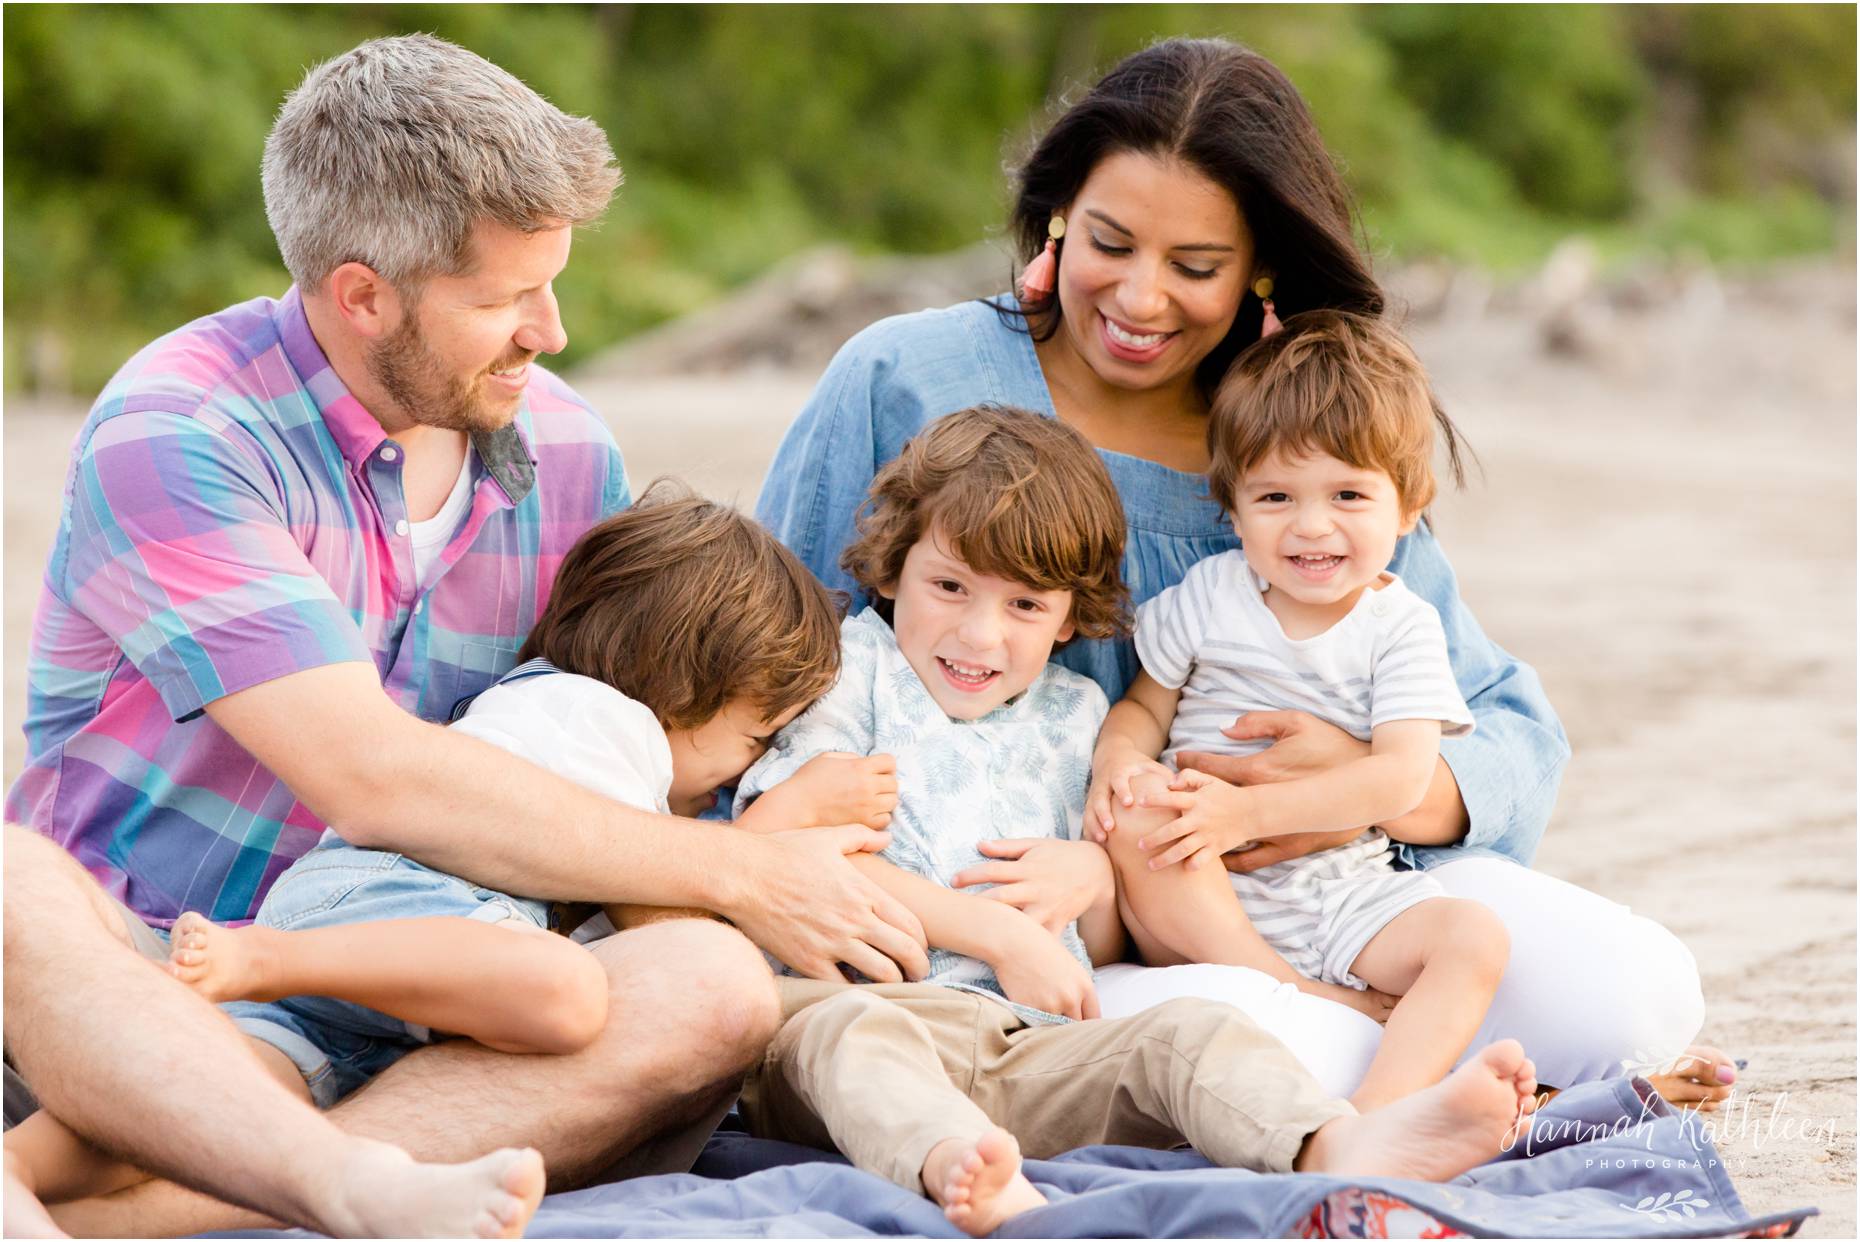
(471, 669)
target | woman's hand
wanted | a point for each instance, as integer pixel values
(1051, 882)
(1269, 850)
(1110, 778)
(1036, 969)
(1212, 819)
(1302, 745)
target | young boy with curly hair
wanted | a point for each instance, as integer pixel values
(993, 537)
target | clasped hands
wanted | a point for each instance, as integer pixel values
(1216, 809)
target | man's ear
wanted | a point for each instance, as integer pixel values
(369, 305)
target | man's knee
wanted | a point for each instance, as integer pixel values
(45, 886)
(695, 992)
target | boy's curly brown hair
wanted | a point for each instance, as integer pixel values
(684, 605)
(1012, 494)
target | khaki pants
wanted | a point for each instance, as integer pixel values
(887, 1071)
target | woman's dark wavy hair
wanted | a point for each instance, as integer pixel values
(1230, 114)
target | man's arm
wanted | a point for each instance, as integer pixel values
(385, 779)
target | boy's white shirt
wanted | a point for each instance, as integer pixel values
(580, 729)
(1213, 637)
(585, 731)
(1020, 771)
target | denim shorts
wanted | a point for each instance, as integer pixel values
(337, 1045)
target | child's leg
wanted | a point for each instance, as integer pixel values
(864, 1074)
(508, 985)
(1444, 957)
(1176, 915)
(1202, 1072)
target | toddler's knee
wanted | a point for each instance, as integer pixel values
(1478, 937)
(572, 1002)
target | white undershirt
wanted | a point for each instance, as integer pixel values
(431, 536)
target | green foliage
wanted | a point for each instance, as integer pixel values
(748, 132)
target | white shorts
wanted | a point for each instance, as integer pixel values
(1320, 910)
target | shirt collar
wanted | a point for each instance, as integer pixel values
(505, 452)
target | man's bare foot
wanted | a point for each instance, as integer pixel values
(221, 963)
(385, 1193)
(25, 1216)
(1436, 1133)
(979, 1184)
(1701, 1077)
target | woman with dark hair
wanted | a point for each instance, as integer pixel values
(1168, 218)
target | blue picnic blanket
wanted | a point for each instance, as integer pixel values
(1603, 1160)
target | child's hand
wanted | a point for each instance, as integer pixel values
(838, 788)
(1110, 778)
(1035, 969)
(1213, 819)
(1377, 1005)
(850, 789)
(1051, 882)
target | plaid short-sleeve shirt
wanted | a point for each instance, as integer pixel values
(232, 514)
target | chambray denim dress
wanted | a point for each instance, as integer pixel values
(902, 373)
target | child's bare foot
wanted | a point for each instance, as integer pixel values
(1701, 1077)
(25, 1216)
(979, 1184)
(220, 963)
(1436, 1133)
(385, 1193)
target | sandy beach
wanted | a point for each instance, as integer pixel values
(1663, 526)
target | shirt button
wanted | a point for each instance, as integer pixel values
(419, 606)
(389, 452)
(400, 527)
(1380, 608)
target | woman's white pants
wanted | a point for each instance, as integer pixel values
(1593, 989)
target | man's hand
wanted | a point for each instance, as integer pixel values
(804, 903)
(1035, 969)
(1051, 882)
(1302, 745)
(831, 788)
(1111, 776)
(1269, 850)
(1212, 819)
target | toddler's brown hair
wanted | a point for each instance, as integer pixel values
(1331, 382)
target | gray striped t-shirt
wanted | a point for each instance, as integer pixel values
(1212, 636)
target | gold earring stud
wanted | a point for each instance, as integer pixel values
(1262, 288)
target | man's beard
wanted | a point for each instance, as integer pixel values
(413, 377)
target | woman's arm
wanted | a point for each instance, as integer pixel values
(1505, 774)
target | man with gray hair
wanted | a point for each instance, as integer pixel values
(295, 534)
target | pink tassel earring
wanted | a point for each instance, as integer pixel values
(1037, 281)
(1263, 289)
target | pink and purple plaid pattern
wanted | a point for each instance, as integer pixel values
(232, 514)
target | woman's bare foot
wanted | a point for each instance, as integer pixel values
(25, 1216)
(385, 1193)
(979, 1184)
(1701, 1077)
(221, 963)
(1436, 1133)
